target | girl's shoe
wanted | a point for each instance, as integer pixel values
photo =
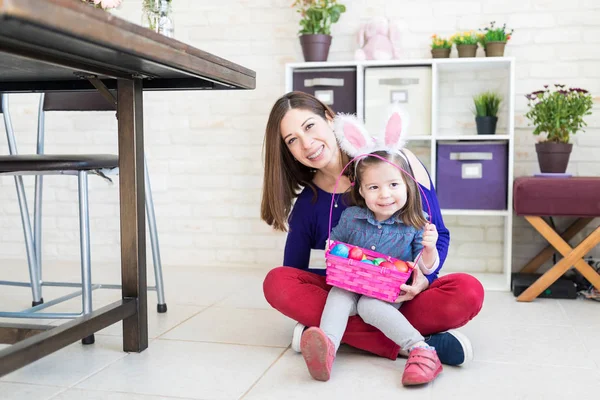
(318, 352)
(422, 366)
(297, 336)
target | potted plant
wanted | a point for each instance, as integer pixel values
(315, 26)
(493, 40)
(559, 114)
(440, 47)
(466, 43)
(486, 109)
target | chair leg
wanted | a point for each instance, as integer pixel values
(84, 239)
(156, 260)
(37, 224)
(39, 182)
(36, 287)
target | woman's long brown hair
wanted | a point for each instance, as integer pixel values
(412, 212)
(283, 176)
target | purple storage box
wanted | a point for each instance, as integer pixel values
(335, 87)
(472, 175)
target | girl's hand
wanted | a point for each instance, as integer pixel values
(409, 292)
(430, 237)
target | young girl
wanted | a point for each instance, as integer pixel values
(388, 219)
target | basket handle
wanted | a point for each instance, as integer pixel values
(389, 162)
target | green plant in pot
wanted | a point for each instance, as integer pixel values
(486, 109)
(466, 43)
(315, 26)
(557, 113)
(440, 47)
(493, 39)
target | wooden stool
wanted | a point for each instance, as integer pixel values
(536, 197)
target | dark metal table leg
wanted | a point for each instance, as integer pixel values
(133, 224)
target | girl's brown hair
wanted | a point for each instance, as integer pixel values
(284, 176)
(412, 212)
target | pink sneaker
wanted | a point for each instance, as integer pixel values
(318, 352)
(422, 366)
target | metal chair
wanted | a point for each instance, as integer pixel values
(41, 164)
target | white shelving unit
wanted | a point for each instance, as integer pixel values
(480, 69)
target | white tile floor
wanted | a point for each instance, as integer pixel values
(221, 340)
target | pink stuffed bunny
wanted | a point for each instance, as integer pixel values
(376, 40)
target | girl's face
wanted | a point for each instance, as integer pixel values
(309, 138)
(383, 189)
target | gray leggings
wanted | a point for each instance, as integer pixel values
(342, 304)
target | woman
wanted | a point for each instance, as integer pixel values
(303, 162)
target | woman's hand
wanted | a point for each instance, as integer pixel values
(409, 292)
(430, 237)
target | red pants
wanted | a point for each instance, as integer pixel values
(450, 302)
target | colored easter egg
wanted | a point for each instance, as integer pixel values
(387, 264)
(368, 261)
(401, 266)
(356, 253)
(378, 261)
(340, 250)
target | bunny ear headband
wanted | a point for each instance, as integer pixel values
(355, 140)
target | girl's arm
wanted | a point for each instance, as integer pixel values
(429, 260)
(422, 176)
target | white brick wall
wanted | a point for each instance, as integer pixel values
(204, 148)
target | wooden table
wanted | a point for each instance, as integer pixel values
(66, 45)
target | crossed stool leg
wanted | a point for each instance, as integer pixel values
(572, 256)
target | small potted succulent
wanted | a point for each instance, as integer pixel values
(557, 113)
(493, 39)
(486, 109)
(440, 47)
(315, 26)
(466, 43)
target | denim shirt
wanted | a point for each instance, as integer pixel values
(391, 237)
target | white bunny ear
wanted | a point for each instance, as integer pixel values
(395, 128)
(352, 135)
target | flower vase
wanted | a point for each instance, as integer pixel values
(440, 53)
(157, 16)
(553, 157)
(150, 15)
(315, 47)
(494, 49)
(466, 50)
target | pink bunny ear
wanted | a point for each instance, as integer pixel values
(395, 128)
(352, 135)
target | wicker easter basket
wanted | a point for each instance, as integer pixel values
(361, 277)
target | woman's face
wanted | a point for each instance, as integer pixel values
(309, 138)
